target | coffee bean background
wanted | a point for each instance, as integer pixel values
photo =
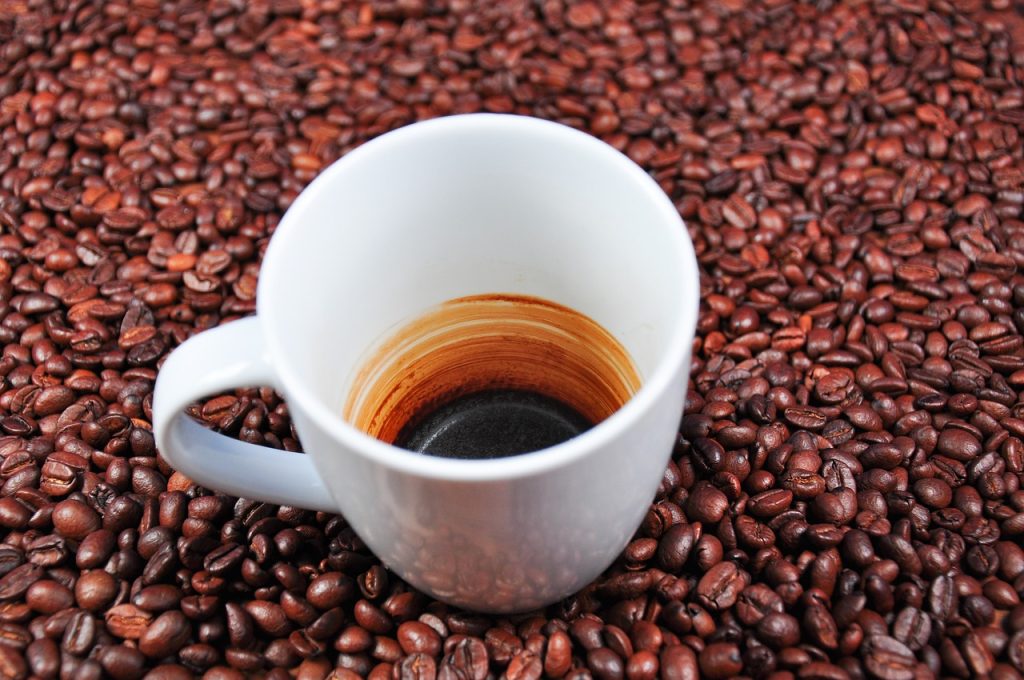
(845, 498)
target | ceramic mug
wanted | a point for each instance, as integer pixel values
(457, 206)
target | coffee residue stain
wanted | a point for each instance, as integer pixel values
(490, 342)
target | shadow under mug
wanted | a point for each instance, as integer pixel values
(453, 207)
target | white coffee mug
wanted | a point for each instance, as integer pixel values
(451, 207)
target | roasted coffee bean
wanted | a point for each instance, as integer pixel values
(605, 664)
(12, 663)
(79, 634)
(169, 672)
(95, 549)
(122, 662)
(757, 601)
(643, 665)
(770, 503)
(74, 519)
(675, 546)
(165, 635)
(158, 598)
(127, 621)
(1015, 650)
(15, 583)
(558, 655)
(912, 627)
(821, 627)
(330, 590)
(269, 617)
(958, 444)
(887, 658)
(416, 637)
(43, 657)
(679, 662)
(720, 660)
(47, 551)
(467, 658)
(721, 586)
(423, 667)
(707, 504)
(48, 597)
(10, 557)
(778, 630)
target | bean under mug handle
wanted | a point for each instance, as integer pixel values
(229, 356)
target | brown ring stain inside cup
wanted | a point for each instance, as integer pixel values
(490, 342)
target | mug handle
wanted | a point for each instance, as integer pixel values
(229, 356)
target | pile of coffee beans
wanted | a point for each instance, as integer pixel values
(845, 498)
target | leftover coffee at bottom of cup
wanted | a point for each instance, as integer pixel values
(492, 424)
(489, 376)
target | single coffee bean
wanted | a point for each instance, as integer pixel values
(720, 587)
(467, 658)
(79, 633)
(416, 637)
(420, 666)
(778, 630)
(127, 621)
(887, 658)
(720, 660)
(122, 662)
(158, 598)
(330, 590)
(74, 519)
(169, 672)
(12, 663)
(675, 547)
(47, 551)
(95, 549)
(679, 662)
(43, 657)
(605, 664)
(821, 627)
(165, 635)
(1015, 650)
(48, 597)
(15, 583)
(558, 656)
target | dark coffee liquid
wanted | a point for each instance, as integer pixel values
(492, 424)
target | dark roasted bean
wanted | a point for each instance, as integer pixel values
(720, 660)
(12, 663)
(558, 656)
(679, 662)
(74, 519)
(122, 662)
(420, 666)
(720, 587)
(165, 635)
(48, 597)
(269, 617)
(127, 621)
(605, 664)
(79, 634)
(416, 637)
(467, 659)
(43, 657)
(887, 658)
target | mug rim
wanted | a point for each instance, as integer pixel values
(667, 366)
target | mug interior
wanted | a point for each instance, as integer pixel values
(472, 205)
